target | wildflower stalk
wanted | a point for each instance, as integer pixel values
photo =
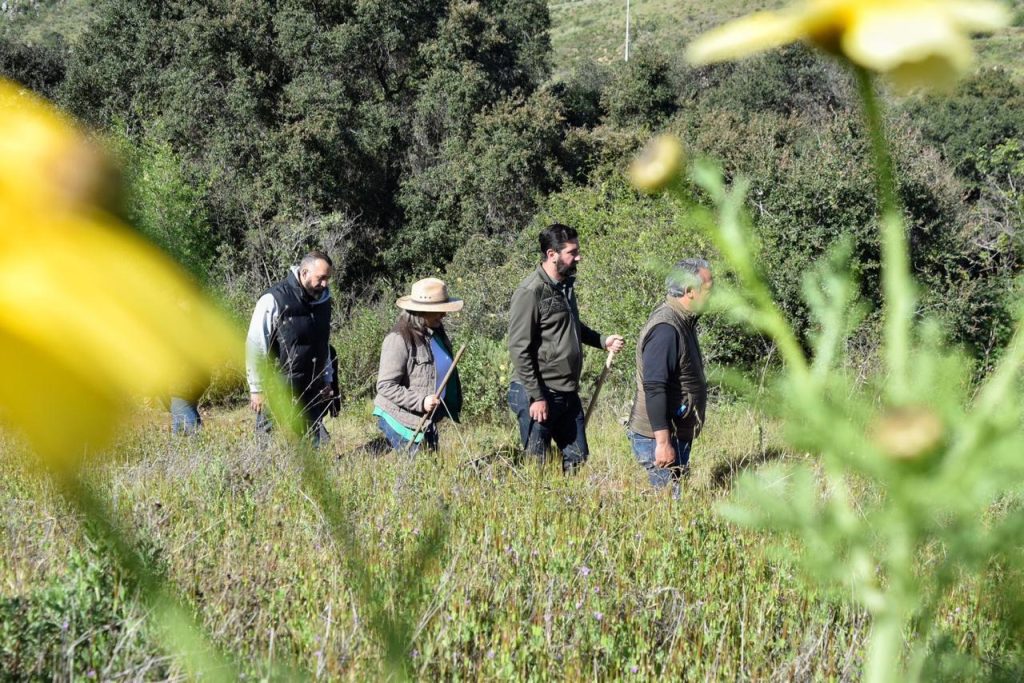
(202, 660)
(733, 241)
(394, 629)
(896, 282)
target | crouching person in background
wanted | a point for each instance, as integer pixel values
(414, 358)
(671, 389)
(185, 418)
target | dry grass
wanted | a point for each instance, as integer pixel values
(541, 576)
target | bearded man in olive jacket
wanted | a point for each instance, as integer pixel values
(671, 388)
(545, 342)
(292, 324)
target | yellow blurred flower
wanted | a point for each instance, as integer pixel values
(91, 315)
(913, 42)
(659, 164)
(908, 433)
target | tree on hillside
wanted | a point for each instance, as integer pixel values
(306, 118)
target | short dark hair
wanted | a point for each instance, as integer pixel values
(555, 236)
(314, 256)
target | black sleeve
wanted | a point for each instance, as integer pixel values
(660, 354)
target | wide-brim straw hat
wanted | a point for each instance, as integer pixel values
(429, 295)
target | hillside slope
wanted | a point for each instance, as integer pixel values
(38, 22)
(595, 29)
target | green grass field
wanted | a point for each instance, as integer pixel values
(596, 29)
(66, 18)
(540, 576)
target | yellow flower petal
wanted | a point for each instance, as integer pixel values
(936, 73)
(48, 164)
(60, 414)
(91, 315)
(914, 42)
(883, 38)
(746, 36)
(659, 164)
(977, 16)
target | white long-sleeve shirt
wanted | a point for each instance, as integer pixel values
(262, 328)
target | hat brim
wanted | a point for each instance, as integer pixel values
(449, 306)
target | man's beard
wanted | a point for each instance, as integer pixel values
(566, 270)
(313, 292)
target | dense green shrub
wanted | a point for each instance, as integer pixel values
(305, 119)
(38, 67)
(580, 92)
(968, 126)
(641, 92)
(358, 346)
(165, 204)
(794, 81)
(810, 186)
(489, 184)
(484, 373)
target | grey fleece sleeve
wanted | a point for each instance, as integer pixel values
(257, 342)
(523, 318)
(393, 358)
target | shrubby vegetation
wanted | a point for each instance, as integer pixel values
(304, 122)
(253, 131)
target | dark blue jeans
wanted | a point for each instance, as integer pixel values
(660, 477)
(184, 416)
(564, 426)
(399, 443)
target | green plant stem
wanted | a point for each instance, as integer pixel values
(896, 283)
(1001, 382)
(727, 232)
(884, 647)
(177, 624)
(991, 397)
(390, 634)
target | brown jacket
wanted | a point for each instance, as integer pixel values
(407, 375)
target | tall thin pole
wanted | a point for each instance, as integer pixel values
(627, 30)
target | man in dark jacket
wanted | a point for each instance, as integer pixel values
(545, 341)
(292, 324)
(671, 389)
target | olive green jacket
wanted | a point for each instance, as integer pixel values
(546, 337)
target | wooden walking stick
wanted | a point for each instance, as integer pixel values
(597, 388)
(440, 390)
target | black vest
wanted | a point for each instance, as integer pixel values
(299, 343)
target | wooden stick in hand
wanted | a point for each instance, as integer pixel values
(440, 390)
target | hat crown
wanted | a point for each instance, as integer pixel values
(429, 291)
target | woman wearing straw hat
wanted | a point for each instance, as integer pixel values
(414, 358)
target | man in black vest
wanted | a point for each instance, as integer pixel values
(671, 389)
(292, 323)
